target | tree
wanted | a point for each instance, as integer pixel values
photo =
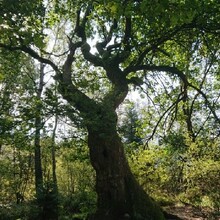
(37, 146)
(129, 127)
(15, 123)
(47, 198)
(132, 39)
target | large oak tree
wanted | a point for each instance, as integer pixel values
(130, 39)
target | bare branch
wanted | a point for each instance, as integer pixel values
(208, 104)
(153, 45)
(95, 60)
(80, 26)
(164, 68)
(70, 58)
(127, 36)
(179, 99)
(32, 53)
(101, 45)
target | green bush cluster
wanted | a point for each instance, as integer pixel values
(180, 171)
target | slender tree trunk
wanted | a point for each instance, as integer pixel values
(38, 164)
(119, 194)
(37, 147)
(47, 198)
(53, 154)
(54, 195)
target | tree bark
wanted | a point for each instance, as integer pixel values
(119, 194)
(54, 211)
(37, 138)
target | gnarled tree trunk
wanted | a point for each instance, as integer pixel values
(119, 194)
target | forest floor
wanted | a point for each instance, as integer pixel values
(188, 212)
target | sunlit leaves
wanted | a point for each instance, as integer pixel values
(21, 20)
(179, 167)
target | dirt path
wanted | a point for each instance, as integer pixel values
(190, 213)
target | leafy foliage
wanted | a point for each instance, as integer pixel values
(180, 171)
(98, 51)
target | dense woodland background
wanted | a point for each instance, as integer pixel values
(169, 123)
